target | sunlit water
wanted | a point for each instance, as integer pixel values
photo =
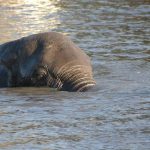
(116, 116)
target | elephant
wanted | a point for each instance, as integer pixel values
(45, 59)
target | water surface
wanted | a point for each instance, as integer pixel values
(116, 35)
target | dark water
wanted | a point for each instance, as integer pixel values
(116, 34)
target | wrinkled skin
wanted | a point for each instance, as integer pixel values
(45, 59)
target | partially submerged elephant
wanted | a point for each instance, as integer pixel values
(45, 59)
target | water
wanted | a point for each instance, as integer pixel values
(116, 116)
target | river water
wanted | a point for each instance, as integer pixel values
(116, 116)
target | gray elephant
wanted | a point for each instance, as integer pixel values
(45, 59)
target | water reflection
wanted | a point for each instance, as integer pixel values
(116, 116)
(20, 18)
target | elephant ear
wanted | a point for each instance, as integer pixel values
(8, 55)
(7, 60)
(3, 76)
(27, 66)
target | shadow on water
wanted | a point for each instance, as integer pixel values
(115, 116)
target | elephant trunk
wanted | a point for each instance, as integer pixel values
(76, 78)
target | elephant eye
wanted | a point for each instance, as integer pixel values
(39, 73)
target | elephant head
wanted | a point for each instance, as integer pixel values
(52, 59)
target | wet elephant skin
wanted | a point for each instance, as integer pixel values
(45, 59)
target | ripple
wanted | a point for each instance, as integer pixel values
(115, 34)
